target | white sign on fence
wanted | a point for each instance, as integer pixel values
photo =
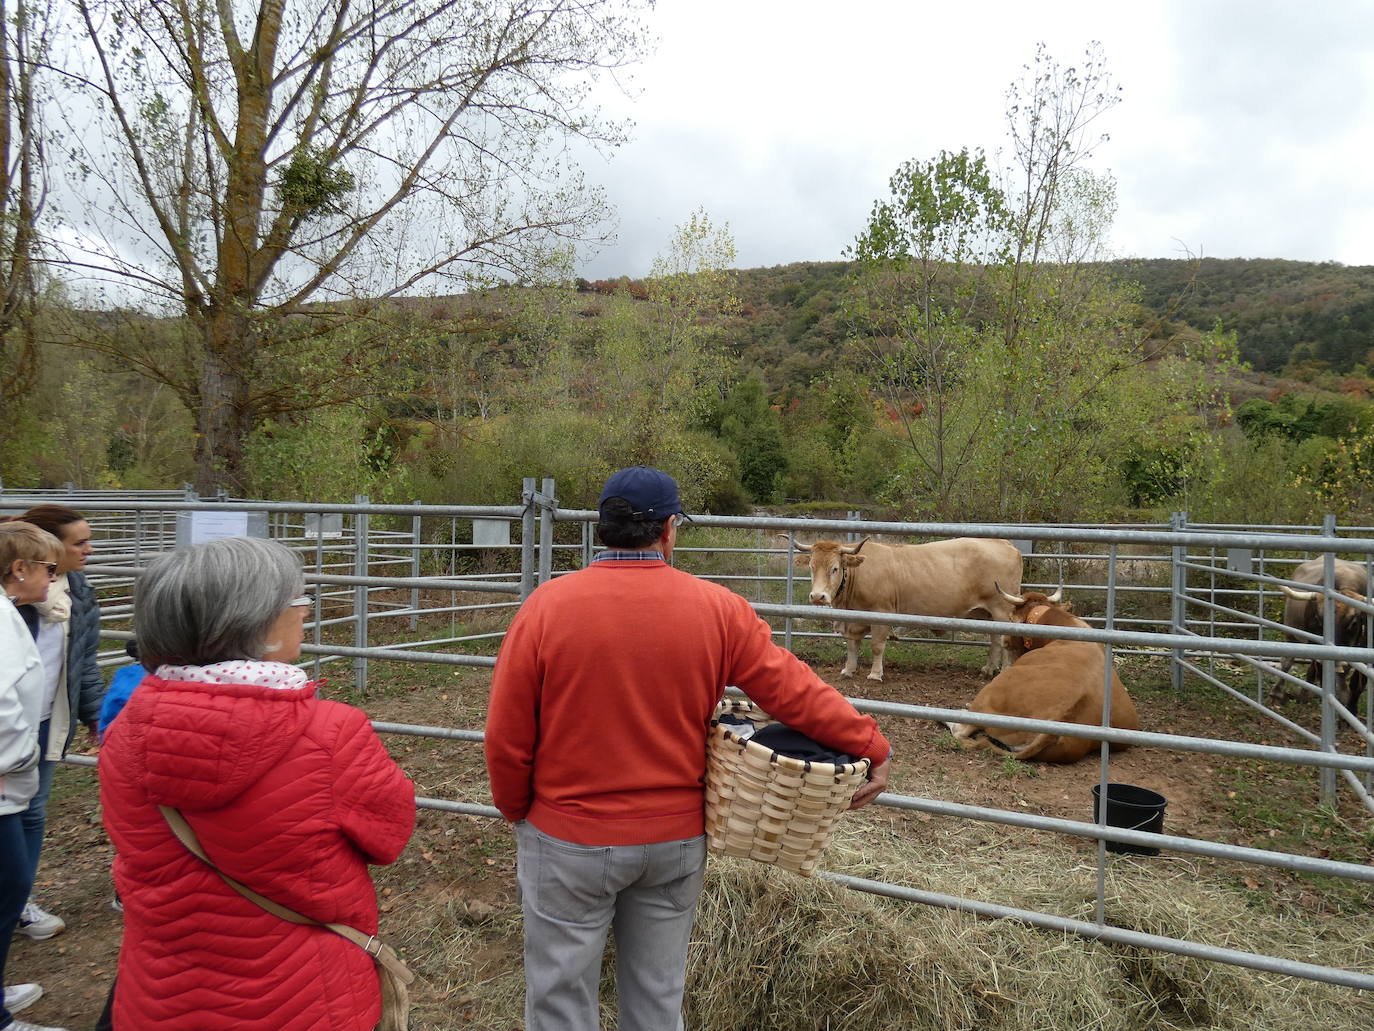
(491, 533)
(327, 524)
(212, 524)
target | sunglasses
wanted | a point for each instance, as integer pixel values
(303, 602)
(51, 567)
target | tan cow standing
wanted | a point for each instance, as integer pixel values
(943, 578)
(1050, 680)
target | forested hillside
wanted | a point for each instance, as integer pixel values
(764, 386)
(1302, 320)
(1300, 316)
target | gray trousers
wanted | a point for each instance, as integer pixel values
(572, 894)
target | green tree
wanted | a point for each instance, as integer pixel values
(922, 266)
(754, 432)
(330, 454)
(1007, 358)
(273, 169)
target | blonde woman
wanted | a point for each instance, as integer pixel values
(68, 641)
(28, 565)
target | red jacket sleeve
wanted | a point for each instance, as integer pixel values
(513, 718)
(373, 797)
(789, 691)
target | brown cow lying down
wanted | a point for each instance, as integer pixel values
(1050, 680)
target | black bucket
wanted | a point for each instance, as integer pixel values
(1131, 808)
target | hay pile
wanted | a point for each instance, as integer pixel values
(774, 951)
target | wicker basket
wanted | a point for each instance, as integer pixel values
(771, 807)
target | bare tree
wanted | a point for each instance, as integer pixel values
(1052, 112)
(274, 170)
(23, 28)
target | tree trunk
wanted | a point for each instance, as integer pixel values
(224, 419)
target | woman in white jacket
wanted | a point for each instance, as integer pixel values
(28, 564)
(68, 642)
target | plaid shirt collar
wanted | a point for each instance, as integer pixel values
(612, 555)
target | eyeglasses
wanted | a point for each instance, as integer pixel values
(51, 567)
(303, 602)
(679, 519)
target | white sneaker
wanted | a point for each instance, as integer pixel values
(39, 924)
(22, 996)
(24, 1025)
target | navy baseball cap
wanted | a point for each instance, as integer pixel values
(650, 493)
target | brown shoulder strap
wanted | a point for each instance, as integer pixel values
(371, 944)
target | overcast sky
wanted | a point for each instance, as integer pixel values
(1246, 129)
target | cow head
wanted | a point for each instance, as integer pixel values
(1349, 618)
(1036, 607)
(1349, 631)
(830, 563)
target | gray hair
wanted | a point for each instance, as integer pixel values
(213, 602)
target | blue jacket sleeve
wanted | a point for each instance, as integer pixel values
(126, 681)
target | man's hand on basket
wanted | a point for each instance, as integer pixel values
(877, 783)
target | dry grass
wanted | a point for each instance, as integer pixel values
(778, 952)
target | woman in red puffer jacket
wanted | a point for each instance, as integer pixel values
(291, 795)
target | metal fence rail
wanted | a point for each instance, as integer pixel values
(1195, 594)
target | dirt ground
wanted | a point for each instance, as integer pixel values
(450, 901)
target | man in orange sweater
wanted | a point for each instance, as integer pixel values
(596, 748)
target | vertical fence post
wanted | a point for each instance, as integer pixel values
(548, 505)
(452, 567)
(1104, 774)
(319, 588)
(791, 565)
(361, 529)
(415, 568)
(1368, 778)
(1211, 612)
(1178, 612)
(527, 551)
(1328, 775)
(588, 549)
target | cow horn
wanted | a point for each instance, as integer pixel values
(1015, 599)
(1299, 595)
(855, 549)
(796, 544)
(1056, 597)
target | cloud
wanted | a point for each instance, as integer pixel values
(1260, 135)
(1242, 130)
